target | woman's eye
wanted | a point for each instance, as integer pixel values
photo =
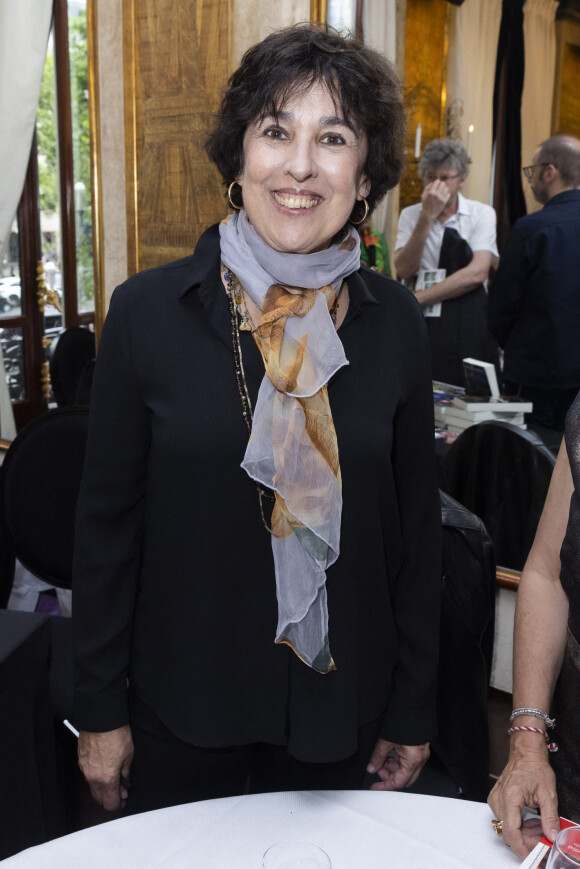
(274, 133)
(333, 139)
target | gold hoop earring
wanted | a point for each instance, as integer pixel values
(230, 200)
(365, 215)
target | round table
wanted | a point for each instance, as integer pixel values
(357, 829)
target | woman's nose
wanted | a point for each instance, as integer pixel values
(301, 160)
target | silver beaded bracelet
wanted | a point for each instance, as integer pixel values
(535, 713)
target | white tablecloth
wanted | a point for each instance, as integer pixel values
(357, 829)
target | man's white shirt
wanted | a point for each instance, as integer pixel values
(474, 221)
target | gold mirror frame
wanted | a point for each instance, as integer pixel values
(318, 10)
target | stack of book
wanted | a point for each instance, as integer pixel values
(460, 411)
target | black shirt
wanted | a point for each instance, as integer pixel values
(174, 579)
(534, 299)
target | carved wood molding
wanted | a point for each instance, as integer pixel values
(176, 56)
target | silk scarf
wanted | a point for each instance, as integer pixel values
(293, 448)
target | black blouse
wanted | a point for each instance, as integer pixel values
(174, 580)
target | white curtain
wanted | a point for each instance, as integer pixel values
(380, 33)
(540, 67)
(473, 36)
(24, 29)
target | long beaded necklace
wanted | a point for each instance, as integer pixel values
(235, 294)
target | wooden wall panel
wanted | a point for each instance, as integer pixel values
(176, 61)
(569, 120)
(425, 83)
(566, 114)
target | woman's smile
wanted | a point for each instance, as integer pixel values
(296, 200)
(303, 170)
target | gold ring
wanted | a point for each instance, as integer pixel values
(497, 826)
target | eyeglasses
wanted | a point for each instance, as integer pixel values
(431, 177)
(529, 170)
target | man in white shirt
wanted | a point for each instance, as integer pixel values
(448, 232)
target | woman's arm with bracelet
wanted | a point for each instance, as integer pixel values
(539, 644)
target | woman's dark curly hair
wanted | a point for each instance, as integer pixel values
(361, 81)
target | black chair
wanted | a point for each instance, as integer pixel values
(7, 564)
(39, 485)
(460, 753)
(466, 649)
(501, 473)
(71, 360)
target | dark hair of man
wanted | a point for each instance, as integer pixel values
(563, 152)
(443, 152)
(363, 84)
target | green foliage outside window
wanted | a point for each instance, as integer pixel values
(47, 138)
(78, 53)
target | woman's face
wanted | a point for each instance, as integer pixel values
(302, 173)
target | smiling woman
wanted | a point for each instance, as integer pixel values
(361, 102)
(184, 575)
(303, 171)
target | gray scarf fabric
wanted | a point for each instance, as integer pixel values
(293, 448)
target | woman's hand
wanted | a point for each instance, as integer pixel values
(527, 780)
(398, 766)
(103, 759)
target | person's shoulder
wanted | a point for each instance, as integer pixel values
(537, 221)
(388, 293)
(410, 211)
(529, 222)
(159, 274)
(177, 276)
(562, 206)
(477, 208)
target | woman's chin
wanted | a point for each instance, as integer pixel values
(298, 244)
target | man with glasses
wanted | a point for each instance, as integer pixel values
(534, 301)
(447, 243)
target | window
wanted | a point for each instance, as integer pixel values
(46, 279)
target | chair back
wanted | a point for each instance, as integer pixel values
(501, 473)
(465, 649)
(39, 486)
(71, 360)
(7, 565)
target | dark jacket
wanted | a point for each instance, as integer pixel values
(174, 580)
(534, 299)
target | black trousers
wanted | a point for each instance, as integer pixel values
(167, 771)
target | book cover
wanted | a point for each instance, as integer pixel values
(538, 858)
(446, 390)
(425, 279)
(480, 377)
